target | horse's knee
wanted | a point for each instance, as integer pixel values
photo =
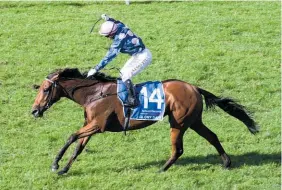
(72, 138)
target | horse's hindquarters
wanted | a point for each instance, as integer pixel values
(184, 103)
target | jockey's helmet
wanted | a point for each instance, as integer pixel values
(108, 29)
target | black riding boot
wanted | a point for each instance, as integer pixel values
(131, 100)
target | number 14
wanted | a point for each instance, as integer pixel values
(152, 98)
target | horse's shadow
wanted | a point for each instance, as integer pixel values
(249, 159)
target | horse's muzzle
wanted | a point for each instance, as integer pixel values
(36, 112)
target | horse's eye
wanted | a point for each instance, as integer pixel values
(46, 90)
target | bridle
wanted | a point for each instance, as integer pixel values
(50, 95)
(54, 85)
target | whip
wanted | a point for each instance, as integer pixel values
(95, 25)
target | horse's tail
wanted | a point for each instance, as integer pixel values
(232, 108)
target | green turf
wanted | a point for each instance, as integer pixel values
(229, 48)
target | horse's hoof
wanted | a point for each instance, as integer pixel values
(226, 161)
(62, 172)
(54, 168)
(227, 164)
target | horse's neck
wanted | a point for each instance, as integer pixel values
(83, 91)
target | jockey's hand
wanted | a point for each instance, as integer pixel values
(105, 17)
(91, 72)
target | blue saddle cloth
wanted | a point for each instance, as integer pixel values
(151, 100)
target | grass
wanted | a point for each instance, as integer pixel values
(229, 48)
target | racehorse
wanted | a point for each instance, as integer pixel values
(104, 112)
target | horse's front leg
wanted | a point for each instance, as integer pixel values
(79, 148)
(85, 133)
(55, 165)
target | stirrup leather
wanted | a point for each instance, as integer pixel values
(132, 99)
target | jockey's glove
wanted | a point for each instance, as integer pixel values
(105, 17)
(91, 72)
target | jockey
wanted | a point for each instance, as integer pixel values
(124, 41)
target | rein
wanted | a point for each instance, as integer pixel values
(101, 96)
(71, 92)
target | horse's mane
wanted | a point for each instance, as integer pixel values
(73, 73)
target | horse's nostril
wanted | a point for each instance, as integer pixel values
(34, 112)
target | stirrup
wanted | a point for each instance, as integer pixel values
(131, 105)
(131, 102)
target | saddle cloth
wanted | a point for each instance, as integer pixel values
(151, 100)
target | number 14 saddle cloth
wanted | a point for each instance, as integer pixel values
(151, 100)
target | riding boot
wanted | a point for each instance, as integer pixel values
(131, 100)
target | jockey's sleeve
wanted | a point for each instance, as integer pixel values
(113, 20)
(119, 23)
(111, 54)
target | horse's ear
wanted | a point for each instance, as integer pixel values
(35, 87)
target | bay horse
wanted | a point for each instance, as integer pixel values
(104, 112)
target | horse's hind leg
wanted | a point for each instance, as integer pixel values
(203, 131)
(176, 137)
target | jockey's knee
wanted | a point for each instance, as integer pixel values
(125, 76)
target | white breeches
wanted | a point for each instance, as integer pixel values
(136, 64)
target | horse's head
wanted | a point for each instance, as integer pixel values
(47, 95)
(52, 89)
